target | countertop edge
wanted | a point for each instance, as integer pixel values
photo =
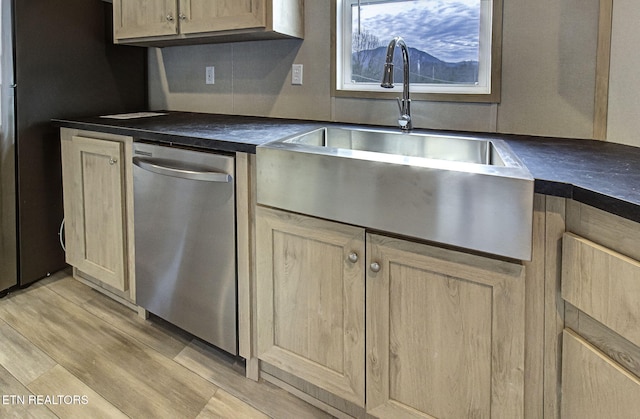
(525, 147)
(165, 138)
(607, 203)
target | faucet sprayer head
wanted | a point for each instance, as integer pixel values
(387, 76)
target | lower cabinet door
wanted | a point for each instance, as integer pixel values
(310, 291)
(445, 333)
(93, 183)
(593, 385)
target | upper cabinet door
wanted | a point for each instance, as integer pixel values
(197, 16)
(143, 18)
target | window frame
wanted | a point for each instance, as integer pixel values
(495, 76)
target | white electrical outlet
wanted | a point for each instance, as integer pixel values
(210, 76)
(296, 74)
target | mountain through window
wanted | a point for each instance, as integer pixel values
(449, 42)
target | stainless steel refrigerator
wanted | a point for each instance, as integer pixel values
(58, 61)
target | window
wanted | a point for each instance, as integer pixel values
(453, 47)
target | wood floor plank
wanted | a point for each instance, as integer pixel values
(78, 401)
(142, 368)
(15, 402)
(159, 335)
(264, 396)
(136, 379)
(20, 357)
(223, 405)
(72, 289)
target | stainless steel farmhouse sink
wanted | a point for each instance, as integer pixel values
(397, 143)
(462, 191)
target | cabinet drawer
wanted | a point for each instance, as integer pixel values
(602, 283)
(593, 386)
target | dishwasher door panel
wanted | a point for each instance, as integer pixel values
(185, 240)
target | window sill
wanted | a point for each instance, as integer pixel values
(493, 97)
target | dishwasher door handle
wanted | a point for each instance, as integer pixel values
(155, 166)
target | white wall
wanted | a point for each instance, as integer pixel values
(623, 125)
(548, 78)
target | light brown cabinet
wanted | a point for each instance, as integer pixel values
(310, 295)
(146, 18)
(169, 22)
(444, 329)
(445, 333)
(601, 288)
(97, 220)
(603, 284)
(593, 385)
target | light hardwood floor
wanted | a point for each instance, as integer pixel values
(59, 339)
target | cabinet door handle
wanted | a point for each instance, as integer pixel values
(169, 17)
(113, 161)
(182, 16)
(353, 257)
(375, 267)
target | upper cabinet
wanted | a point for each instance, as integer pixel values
(175, 22)
(146, 18)
(198, 16)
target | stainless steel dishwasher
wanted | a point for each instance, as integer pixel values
(185, 245)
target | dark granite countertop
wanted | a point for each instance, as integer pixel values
(600, 174)
(213, 132)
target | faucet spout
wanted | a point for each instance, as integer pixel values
(404, 121)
